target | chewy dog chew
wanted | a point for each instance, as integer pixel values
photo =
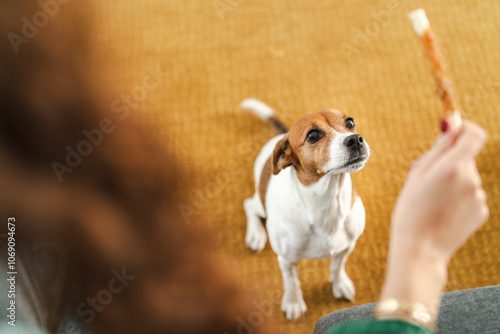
(444, 87)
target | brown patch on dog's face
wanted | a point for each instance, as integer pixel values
(307, 144)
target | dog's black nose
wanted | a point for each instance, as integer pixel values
(353, 142)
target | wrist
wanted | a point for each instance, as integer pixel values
(415, 273)
(419, 251)
(413, 312)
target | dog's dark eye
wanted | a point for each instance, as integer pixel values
(313, 136)
(349, 123)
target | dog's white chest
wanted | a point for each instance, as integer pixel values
(309, 224)
(319, 245)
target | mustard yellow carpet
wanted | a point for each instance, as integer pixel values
(360, 57)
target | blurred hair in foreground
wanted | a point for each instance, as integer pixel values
(115, 211)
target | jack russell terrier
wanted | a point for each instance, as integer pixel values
(311, 208)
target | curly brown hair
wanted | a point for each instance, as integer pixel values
(114, 210)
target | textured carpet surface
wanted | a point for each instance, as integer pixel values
(360, 57)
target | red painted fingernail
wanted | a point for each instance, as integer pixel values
(444, 125)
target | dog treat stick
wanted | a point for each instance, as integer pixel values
(444, 87)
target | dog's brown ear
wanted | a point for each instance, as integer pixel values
(282, 155)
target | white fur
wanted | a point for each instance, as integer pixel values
(256, 236)
(259, 108)
(339, 157)
(314, 222)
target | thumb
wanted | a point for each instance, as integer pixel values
(469, 143)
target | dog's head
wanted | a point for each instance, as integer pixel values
(321, 143)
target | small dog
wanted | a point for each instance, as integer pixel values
(304, 190)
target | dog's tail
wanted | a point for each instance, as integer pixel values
(265, 112)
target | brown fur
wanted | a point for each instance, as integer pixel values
(282, 155)
(307, 158)
(117, 209)
(278, 125)
(264, 180)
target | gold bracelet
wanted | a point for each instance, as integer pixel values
(413, 312)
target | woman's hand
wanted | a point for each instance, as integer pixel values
(442, 202)
(440, 206)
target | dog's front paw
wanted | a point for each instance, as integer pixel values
(343, 288)
(293, 305)
(256, 237)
